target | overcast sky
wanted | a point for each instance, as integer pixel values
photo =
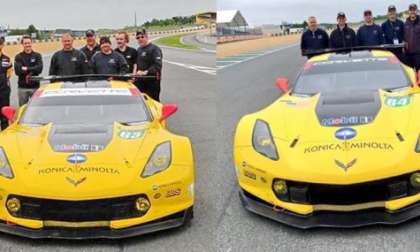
(83, 14)
(258, 12)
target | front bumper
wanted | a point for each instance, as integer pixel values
(169, 222)
(353, 219)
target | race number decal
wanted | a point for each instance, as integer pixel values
(397, 101)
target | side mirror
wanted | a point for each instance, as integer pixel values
(10, 113)
(283, 84)
(167, 111)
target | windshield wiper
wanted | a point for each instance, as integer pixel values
(392, 90)
(130, 123)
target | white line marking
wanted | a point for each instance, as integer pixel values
(261, 55)
(203, 69)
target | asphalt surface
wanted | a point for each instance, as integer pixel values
(245, 88)
(193, 89)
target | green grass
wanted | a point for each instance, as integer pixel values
(174, 41)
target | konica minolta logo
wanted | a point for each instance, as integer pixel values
(76, 158)
(345, 133)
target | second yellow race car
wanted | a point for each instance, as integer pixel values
(93, 159)
(340, 148)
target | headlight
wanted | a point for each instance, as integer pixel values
(159, 160)
(263, 141)
(418, 145)
(5, 169)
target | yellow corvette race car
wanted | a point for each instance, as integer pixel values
(93, 159)
(341, 148)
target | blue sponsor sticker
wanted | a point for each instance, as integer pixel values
(131, 134)
(345, 133)
(76, 158)
(346, 120)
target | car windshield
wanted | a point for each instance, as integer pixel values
(351, 75)
(85, 109)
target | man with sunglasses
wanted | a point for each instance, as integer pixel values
(370, 34)
(149, 64)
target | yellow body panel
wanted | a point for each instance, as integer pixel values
(113, 172)
(379, 152)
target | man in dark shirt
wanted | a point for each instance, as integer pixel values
(149, 64)
(370, 34)
(343, 36)
(393, 30)
(68, 61)
(27, 64)
(412, 37)
(314, 38)
(5, 74)
(107, 61)
(91, 46)
(129, 53)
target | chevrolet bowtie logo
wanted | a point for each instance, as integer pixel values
(347, 166)
(75, 182)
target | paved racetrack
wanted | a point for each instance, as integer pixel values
(248, 87)
(189, 81)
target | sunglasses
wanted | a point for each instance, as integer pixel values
(140, 37)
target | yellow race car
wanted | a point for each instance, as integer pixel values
(341, 148)
(93, 160)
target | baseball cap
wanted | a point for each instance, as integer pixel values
(141, 32)
(341, 14)
(412, 7)
(90, 32)
(104, 40)
(392, 8)
(1, 40)
(367, 12)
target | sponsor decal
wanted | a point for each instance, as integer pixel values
(93, 169)
(131, 134)
(344, 166)
(79, 147)
(346, 146)
(75, 182)
(86, 92)
(74, 59)
(111, 61)
(345, 133)
(397, 101)
(346, 120)
(173, 193)
(143, 54)
(156, 187)
(351, 60)
(32, 60)
(250, 175)
(76, 158)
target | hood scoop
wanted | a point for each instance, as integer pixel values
(80, 138)
(347, 108)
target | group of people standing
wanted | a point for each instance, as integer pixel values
(93, 58)
(392, 31)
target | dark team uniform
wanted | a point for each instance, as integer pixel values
(394, 34)
(88, 52)
(370, 35)
(27, 86)
(412, 39)
(113, 63)
(150, 58)
(314, 40)
(343, 38)
(130, 55)
(5, 68)
(66, 63)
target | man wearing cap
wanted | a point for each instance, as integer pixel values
(370, 34)
(91, 46)
(412, 37)
(27, 64)
(129, 53)
(393, 30)
(343, 36)
(314, 38)
(5, 74)
(68, 61)
(149, 64)
(107, 61)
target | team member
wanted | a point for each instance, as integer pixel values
(393, 30)
(5, 74)
(370, 34)
(91, 46)
(148, 63)
(343, 36)
(129, 53)
(107, 61)
(314, 38)
(412, 37)
(27, 64)
(68, 61)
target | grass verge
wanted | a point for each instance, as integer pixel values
(174, 41)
